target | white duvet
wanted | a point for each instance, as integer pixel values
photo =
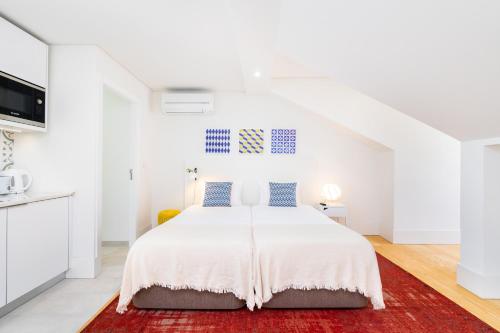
(300, 248)
(203, 248)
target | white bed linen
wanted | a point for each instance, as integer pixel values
(300, 248)
(203, 248)
(198, 214)
(303, 214)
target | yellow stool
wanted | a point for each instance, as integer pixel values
(167, 214)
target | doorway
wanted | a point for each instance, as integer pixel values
(118, 217)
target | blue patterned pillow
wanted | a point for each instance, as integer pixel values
(283, 194)
(217, 194)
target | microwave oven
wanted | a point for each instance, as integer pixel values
(21, 101)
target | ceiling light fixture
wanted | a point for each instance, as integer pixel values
(257, 74)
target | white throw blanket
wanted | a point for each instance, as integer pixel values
(312, 256)
(199, 256)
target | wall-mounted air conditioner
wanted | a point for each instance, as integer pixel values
(187, 103)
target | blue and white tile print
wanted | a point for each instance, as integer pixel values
(283, 141)
(217, 141)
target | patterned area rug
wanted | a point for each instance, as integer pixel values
(411, 306)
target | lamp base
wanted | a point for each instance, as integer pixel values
(331, 204)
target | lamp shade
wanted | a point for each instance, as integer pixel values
(331, 192)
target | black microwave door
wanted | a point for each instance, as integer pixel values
(16, 100)
(20, 101)
(39, 106)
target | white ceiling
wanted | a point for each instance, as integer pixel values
(435, 60)
(164, 43)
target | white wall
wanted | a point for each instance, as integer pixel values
(114, 76)
(426, 161)
(64, 158)
(492, 212)
(116, 166)
(479, 268)
(325, 153)
(68, 156)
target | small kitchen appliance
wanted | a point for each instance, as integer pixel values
(5, 183)
(14, 181)
(21, 101)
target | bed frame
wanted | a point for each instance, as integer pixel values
(188, 299)
(316, 299)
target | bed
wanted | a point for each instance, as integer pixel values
(302, 259)
(201, 259)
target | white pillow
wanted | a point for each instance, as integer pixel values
(235, 192)
(265, 193)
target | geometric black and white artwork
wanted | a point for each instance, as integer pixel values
(283, 141)
(217, 141)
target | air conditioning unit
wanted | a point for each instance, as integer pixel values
(187, 103)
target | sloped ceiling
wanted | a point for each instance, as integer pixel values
(436, 61)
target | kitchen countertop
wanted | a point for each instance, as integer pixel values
(28, 198)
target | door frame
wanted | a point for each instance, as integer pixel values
(134, 162)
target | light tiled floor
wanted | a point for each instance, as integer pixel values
(69, 304)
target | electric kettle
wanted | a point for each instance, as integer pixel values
(20, 180)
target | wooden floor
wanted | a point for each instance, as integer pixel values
(436, 266)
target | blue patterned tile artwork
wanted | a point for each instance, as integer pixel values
(217, 141)
(283, 141)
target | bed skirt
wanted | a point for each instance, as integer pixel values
(185, 299)
(316, 299)
(188, 299)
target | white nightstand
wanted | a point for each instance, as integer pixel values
(337, 212)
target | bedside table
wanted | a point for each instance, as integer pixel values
(337, 212)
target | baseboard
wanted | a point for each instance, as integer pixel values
(81, 268)
(426, 237)
(30, 295)
(114, 243)
(484, 286)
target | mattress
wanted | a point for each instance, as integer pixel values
(298, 251)
(199, 215)
(300, 215)
(202, 251)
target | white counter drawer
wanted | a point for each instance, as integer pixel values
(37, 244)
(3, 257)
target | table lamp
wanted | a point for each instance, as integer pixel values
(331, 193)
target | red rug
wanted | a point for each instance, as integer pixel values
(411, 306)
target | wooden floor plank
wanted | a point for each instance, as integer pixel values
(436, 265)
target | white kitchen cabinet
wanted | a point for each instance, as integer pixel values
(23, 55)
(37, 244)
(3, 257)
